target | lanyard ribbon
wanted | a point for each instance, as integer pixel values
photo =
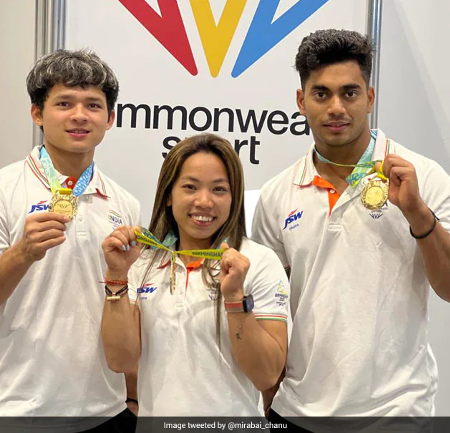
(146, 237)
(363, 168)
(52, 177)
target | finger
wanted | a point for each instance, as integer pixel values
(41, 237)
(122, 236)
(224, 246)
(398, 174)
(131, 236)
(228, 256)
(46, 225)
(401, 174)
(51, 243)
(225, 264)
(49, 216)
(115, 243)
(128, 232)
(396, 161)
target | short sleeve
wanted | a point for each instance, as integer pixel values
(268, 284)
(137, 273)
(435, 191)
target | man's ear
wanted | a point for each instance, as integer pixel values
(371, 98)
(36, 115)
(111, 119)
(301, 102)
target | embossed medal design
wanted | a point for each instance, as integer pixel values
(63, 203)
(375, 194)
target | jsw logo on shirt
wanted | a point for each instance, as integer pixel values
(41, 206)
(292, 217)
(146, 289)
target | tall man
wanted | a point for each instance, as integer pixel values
(56, 207)
(360, 266)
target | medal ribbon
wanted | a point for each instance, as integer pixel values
(52, 177)
(361, 168)
(146, 237)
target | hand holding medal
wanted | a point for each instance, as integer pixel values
(403, 184)
(233, 270)
(42, 231)
(121, 251)
(145, 237)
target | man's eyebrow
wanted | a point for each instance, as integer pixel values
(320, 87)
(352, 86)
(345, 87)
(70, 96)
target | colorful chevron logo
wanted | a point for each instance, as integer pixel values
(263, 34)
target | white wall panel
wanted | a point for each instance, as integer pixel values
(17, 25)
(414, 109)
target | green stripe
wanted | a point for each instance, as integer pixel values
(34, 168)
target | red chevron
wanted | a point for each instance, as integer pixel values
(168, 28)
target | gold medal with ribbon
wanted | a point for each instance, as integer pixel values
(64, 200)
(64, 203)
(375, 194)
(146, 237)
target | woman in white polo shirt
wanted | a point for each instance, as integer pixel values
(210, 340)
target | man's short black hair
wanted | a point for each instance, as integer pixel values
(71, 68)
(326, 47)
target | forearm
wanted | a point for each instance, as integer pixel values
(435, 251)
(120, 332)
(131, 381)
(257, 353)
(270, 393)
(13, 267)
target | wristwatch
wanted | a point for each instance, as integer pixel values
(244, 306)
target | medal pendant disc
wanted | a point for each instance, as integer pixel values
(375, 194)
(64, 204)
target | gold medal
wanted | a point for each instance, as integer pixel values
(375, 194)
(64, 203)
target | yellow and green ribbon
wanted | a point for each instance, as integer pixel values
(146, 237)
(363, 168)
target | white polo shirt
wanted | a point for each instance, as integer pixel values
(184, 370)
(51, 354)
(359, 343)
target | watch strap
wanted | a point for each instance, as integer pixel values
(234, 307)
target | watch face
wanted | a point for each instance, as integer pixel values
(248, 303)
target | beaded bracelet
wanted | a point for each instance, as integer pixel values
(115, 282)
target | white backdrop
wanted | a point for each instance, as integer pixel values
(151, 76)
(16, 60)
(414, 109)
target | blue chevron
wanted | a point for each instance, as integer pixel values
(264, 34)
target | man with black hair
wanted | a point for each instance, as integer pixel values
(56, 207)
(361, 223)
